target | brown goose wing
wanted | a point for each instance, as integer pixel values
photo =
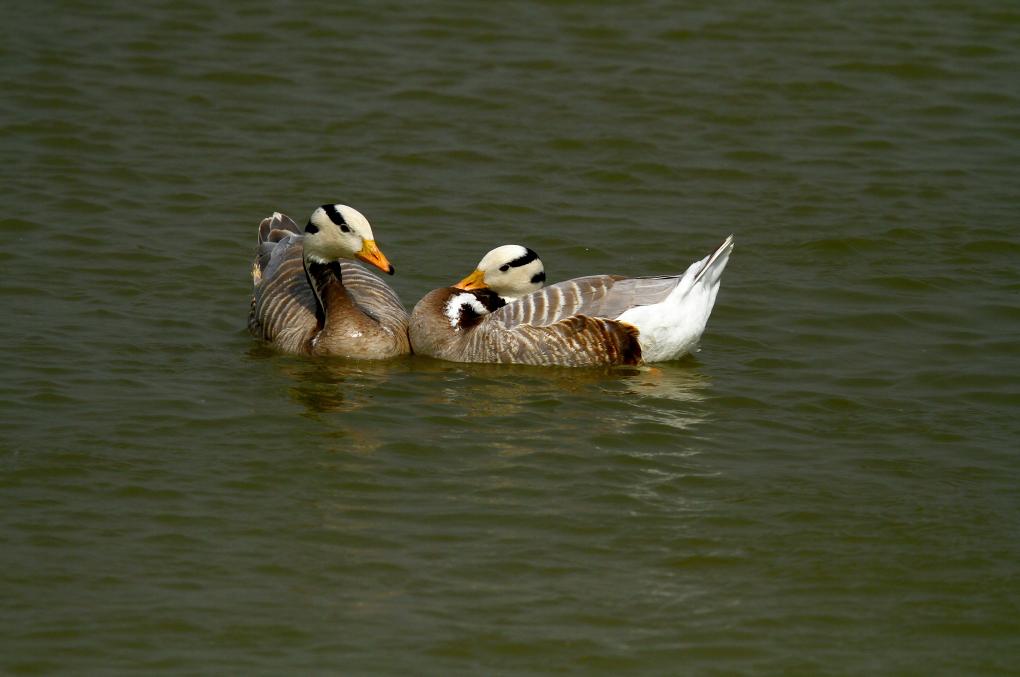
(575, 341)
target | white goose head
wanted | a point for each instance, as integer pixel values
(511, 271)
(341, 232)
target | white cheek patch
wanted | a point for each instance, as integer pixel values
(457, 302)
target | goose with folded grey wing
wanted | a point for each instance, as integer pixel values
(502, 313)
(310, 298)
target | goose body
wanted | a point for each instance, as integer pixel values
(588, 321)
(309, 299)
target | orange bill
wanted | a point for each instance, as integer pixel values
(370, 254)
(475, 280)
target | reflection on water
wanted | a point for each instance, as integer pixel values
(331, 385)
(449, 401)
(762, 509)
(327, 385)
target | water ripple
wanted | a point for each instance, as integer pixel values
(837, 461)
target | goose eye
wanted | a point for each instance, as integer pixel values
(344, 227)
(505, 267)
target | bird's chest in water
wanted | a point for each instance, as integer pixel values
(341, 336)
(351, 342)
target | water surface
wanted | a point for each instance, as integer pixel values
(828, 487)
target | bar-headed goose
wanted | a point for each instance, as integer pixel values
(309, 301)
(501, 313)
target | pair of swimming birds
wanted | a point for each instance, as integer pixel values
(312, 298)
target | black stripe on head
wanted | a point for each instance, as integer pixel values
(334, 214)
(311, 228)
(538, 277)
(523, 260)
(336, 217)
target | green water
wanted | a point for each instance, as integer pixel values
(829, 487)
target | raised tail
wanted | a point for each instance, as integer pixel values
(715, 263)
(673, 327)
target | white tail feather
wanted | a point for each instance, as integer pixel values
(673, 328)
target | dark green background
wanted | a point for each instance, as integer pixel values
(829, 487)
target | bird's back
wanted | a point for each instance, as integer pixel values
(605, 296)
(575, 340)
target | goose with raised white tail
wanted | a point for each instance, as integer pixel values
(502, 313)
(311, 299)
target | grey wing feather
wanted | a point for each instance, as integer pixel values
(277, 222)
(272, 231)
(629, 293)
(283, 306)
(272, 255)
(370, 293)
(607, 296)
